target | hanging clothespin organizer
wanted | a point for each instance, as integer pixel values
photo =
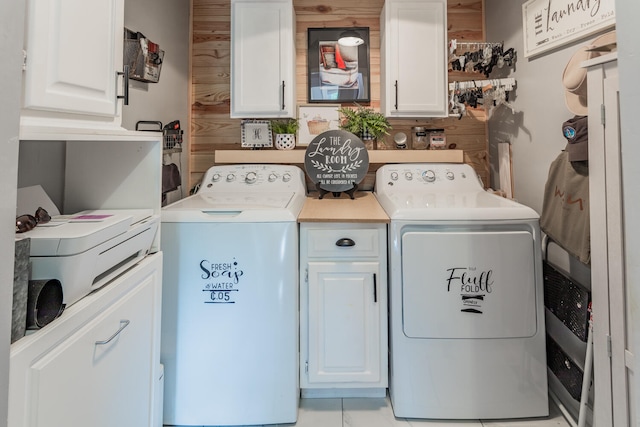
(490, 92)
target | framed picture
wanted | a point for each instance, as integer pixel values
(547, 25)
(338, 65)
(315, 119)
(256, 133)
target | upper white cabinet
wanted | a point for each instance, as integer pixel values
(73, 56)
(413, 39)
(262, 58)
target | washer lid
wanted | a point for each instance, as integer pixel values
(476, 205)
(235, 207)
(441, 191)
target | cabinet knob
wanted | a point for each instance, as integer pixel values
(345, 242)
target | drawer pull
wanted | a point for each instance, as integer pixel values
(345, 242)
(375, 289)
(123, 324)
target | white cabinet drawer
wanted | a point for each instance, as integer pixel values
(343, 243)
(97, 364)
(106, 365)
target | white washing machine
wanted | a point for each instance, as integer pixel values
(230, 298)
(467, 333)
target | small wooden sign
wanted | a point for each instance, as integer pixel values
(336, 161)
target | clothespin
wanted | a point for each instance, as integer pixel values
(453, 44)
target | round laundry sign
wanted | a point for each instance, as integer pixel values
(336, 160)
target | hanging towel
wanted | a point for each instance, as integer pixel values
(170, 178)
(565, 208)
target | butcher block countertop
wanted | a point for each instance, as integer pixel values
(375, 156)
(363, 208)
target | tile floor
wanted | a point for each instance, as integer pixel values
(371, 412)
(378, 413)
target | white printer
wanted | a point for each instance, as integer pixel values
(86, 250)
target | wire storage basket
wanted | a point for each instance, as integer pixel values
(143, 57)
(171, 133)
(172, 138)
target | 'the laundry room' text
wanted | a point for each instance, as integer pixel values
(335, 151)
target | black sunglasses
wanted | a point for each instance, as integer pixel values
(28, 222)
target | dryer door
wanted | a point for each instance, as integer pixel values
(468, 284)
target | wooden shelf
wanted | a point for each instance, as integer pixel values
(375, 156)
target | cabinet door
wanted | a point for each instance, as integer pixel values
(612, 341)
(262, 59)
(414, 61)
(102, 376)
(74, 49)
(344, 318)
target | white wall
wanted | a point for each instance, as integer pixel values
(166, 23)
(11, 30)
(535, 131)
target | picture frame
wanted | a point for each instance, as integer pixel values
(315, 119)
(548, 25)
(256, 133)
(338, 68)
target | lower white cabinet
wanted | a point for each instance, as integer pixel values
(343, 310)
(98, 364)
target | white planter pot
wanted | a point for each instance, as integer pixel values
(285, 141)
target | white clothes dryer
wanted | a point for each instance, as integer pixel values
(230, 298)
(467, 332)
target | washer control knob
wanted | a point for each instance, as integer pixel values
(286, 177)
(272, 177)
(450, 176)
(394, 176)
(231, 177)
(429, 175)
(408, 176)
(216, 177)
(251, 178)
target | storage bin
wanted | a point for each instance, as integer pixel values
(564, 368)
(20, 289)
(567, 299)
(143, 57)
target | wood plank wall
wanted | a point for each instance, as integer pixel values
(211, 127)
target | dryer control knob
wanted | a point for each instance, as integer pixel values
(429, 175)
(216, 177)
(408, 176)
(394, 176)
(272, 177)
(231, 177)
(286, 177)
(251, 178)
(450, 176)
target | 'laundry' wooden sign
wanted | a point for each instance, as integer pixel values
(548, 24)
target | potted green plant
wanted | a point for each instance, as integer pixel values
(285, 132)
(364, 122)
